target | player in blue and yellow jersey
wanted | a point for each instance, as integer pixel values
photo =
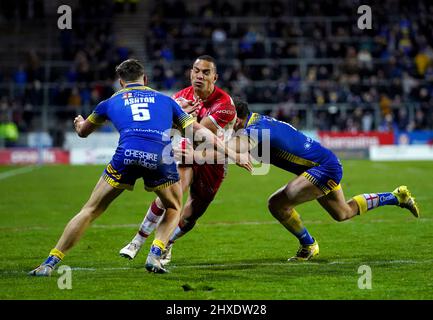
(143, 118)
(318, 171)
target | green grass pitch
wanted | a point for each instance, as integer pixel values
(236, 251)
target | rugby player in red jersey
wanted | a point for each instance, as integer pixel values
(141, 153)
(214, 109)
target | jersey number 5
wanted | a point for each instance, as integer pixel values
(140, 111)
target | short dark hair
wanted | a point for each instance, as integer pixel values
(242, 109)
(209, 59)
(130, 70)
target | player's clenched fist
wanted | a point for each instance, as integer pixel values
(77, 121)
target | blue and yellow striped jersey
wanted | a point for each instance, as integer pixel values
(138, 111)
(290, 149)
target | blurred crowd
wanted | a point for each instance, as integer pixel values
(290, 62)
(267, 53)
(88, 55)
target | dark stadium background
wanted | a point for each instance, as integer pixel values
(303, 62)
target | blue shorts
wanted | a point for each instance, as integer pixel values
(141, 159)
(326, 177)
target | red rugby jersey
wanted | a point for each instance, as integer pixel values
(218, 107)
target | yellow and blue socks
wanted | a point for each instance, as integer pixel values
(157, 248)
(369, 201)
(54, 258)
(296, 227)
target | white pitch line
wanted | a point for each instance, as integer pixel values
(302, 263)
(265, 264)
(16, 172)
(205, 224)
(244, 223)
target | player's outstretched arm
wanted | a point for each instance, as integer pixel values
(83, 127)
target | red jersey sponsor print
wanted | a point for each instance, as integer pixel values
(218, 107)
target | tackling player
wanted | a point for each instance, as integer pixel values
(318, 171)
(142, 116)
(214, 110)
